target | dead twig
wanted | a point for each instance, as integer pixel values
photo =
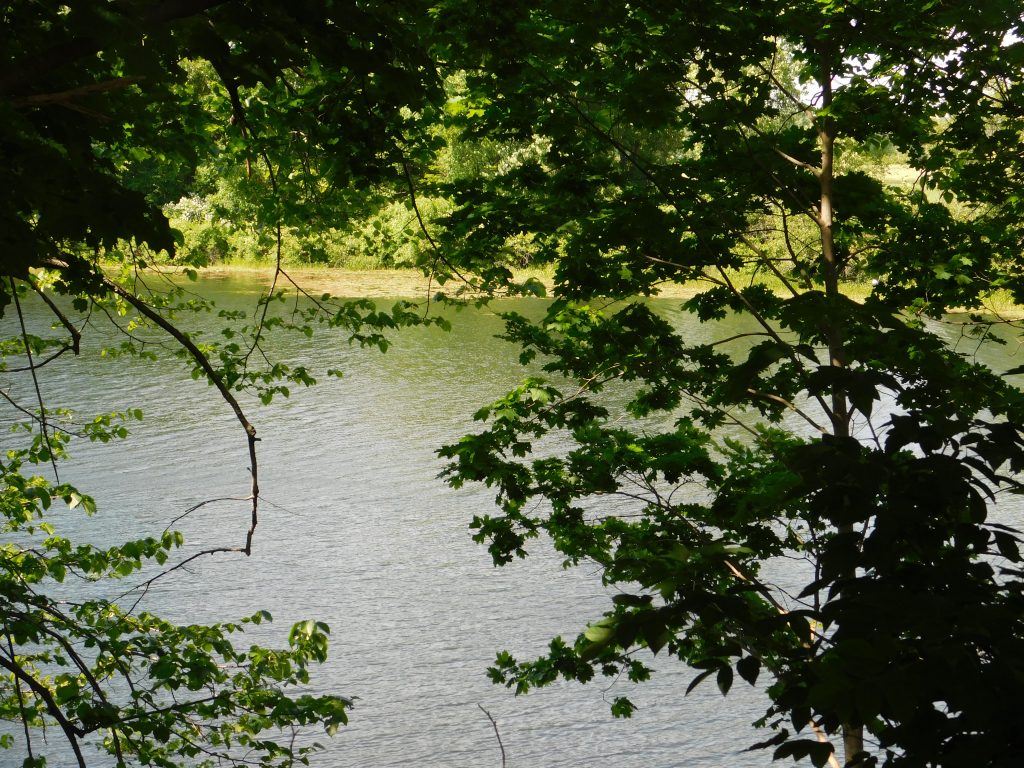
(497, 735)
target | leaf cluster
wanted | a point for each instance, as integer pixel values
(715, 146)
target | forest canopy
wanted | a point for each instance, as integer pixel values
(842, 175)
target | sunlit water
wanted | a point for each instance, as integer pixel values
(356, 530)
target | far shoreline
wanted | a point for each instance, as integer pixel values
(345, 283)
(383, 283)
(414, 285)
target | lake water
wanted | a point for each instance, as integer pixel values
(356, 530)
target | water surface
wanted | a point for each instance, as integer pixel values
(357, 531)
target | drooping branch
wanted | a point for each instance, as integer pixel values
(21, 700)
(788, 404)
(76, 335)
(86, 672)
(814, 171)
(763, 258)
(71, 731)
(143, 588)
(215, 378)
(16, 404)
(773, 333)
(35, 380)
(278, 240)
(238, 114)
(438, 255)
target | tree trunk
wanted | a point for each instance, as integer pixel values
(853, 736)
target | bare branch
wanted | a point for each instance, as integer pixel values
(215, 378)
(76, 335)
(35, 380)
(815, 171)
(771, 332)
(19, 407)
(791, 406)
(768, 262)
(438, 255)
(497, 735)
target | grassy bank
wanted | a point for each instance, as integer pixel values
(370, 283)
(398, 283)
(413, 284)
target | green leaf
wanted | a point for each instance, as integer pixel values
(748, 668)
(724, 679)
(599, 633)
(699, 679)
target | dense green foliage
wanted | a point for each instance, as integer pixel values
(670, 139)
(111, 112)
(738, 145)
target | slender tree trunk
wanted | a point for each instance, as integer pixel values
(853, 736)
(830, 264)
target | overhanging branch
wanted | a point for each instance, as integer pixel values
(18, 79)
(215, 378)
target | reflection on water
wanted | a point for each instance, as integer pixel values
(357, 531)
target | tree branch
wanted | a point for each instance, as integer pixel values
(21, 701)
(214, 377)
(497, 735)
(60, 57)
(71, 731)
(76, 335)
(69, 95)
(35, 381)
